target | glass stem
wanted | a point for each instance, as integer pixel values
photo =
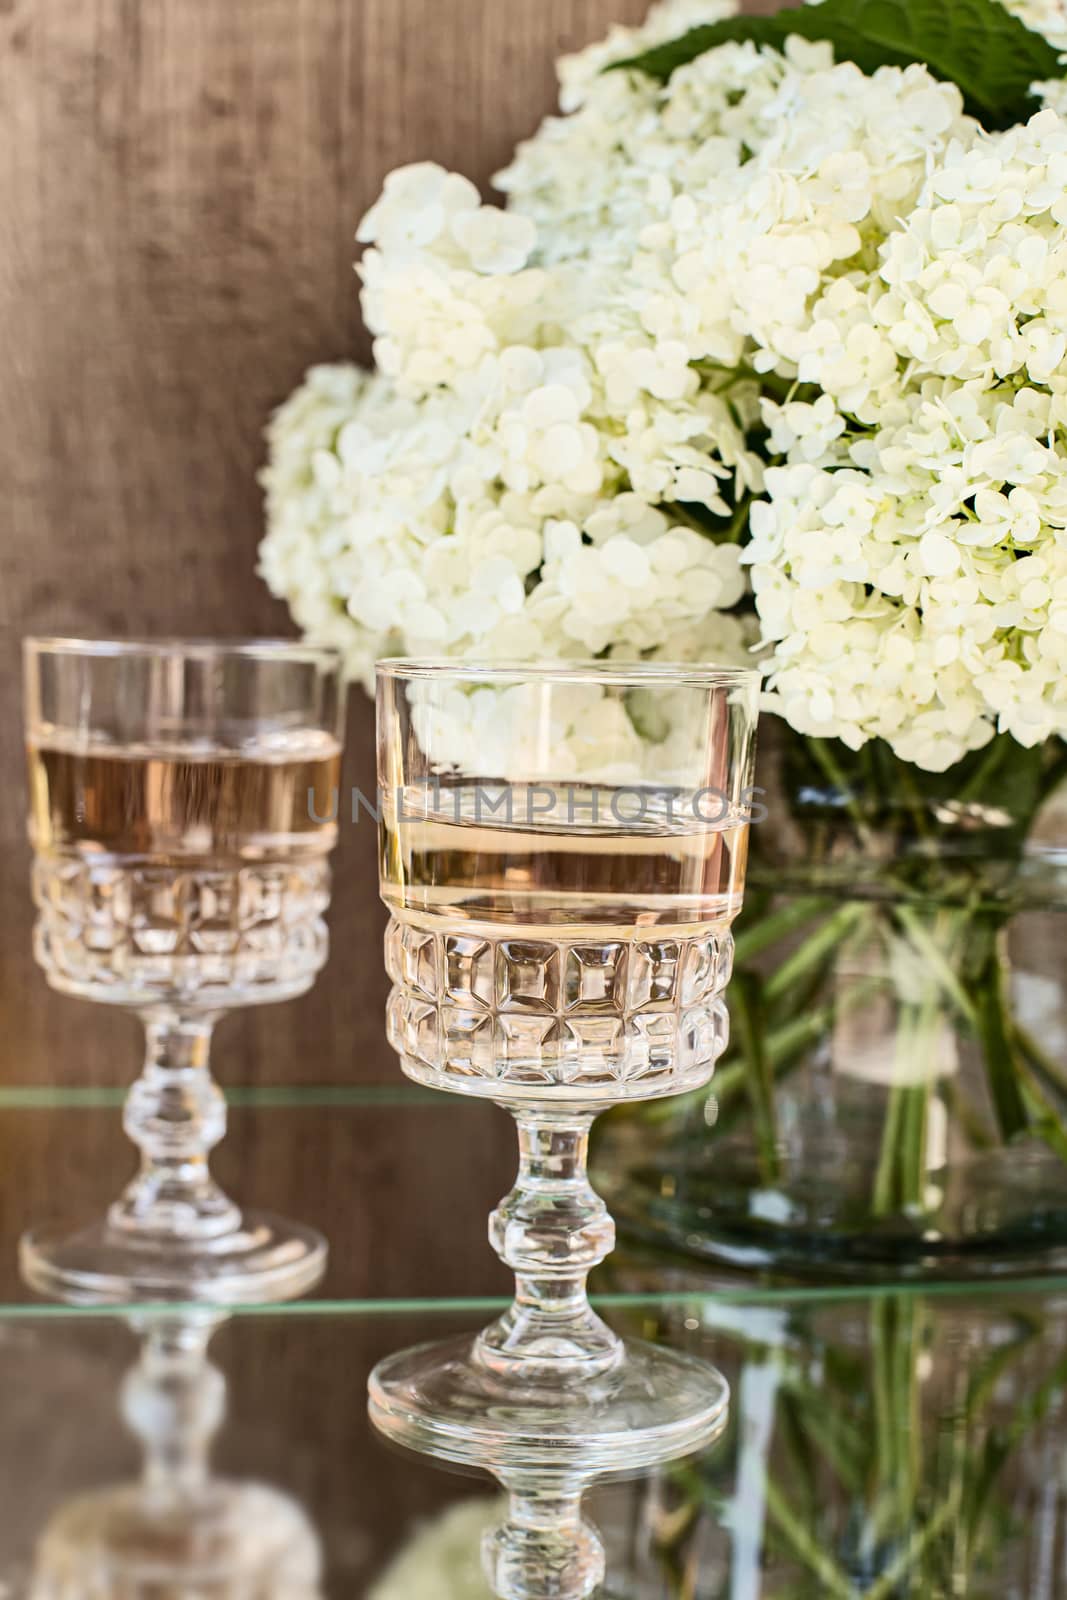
(544, 1546)
(551, 1230)
(175, 1114)
(174, 1400)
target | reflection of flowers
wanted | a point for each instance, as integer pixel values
(878, 1453)
(583, 732)
(443, 1560)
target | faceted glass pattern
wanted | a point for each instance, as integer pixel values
(125, 933)
(635, 1016)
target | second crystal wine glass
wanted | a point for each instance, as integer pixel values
(183, 799)
(563, 852)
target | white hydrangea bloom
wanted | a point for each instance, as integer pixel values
(497, 489)
(668, 20)
(773, 279)
(912, 574)
(443, 285)
(1042, 16)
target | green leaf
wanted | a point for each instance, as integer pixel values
(977, 44)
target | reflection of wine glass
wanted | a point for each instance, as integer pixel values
(182, 805)
(561, 890)
(180, 1532)
(527, 1548)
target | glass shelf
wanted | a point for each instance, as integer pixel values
(885, 1440)
(58, 1097)
(881, 1444)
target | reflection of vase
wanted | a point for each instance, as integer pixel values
(896, 1088)
(891, 1448)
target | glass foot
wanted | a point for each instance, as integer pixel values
(654, 1405)
(233, 1539)
(264, 1259)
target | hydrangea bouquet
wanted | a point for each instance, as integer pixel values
(766, 352)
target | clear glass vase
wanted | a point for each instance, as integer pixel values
(896, 1089)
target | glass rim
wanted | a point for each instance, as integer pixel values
(685, 674)
(175, 646)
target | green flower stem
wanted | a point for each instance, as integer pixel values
(1034, 1408)
(806, 1547)
(894, 1348)
(759, 1078)
(1053, 772)
(1042, 1116)
(756, 937)
(798, 1451)
(993, 1024)
(902, 1171)
(952, 928)
(984, 1465)
(823, 942)
(1050, 1070)
(844, 1445)
(987, 772)
(885, 1199)
(982, 1383)
(887, 1585)
(826, 1425)
(784, 1047)
(918, 806)
(822, 750)
(965, 1114)
(900, 1176)
(913, 1174)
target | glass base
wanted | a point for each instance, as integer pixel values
(266, 1259)
(1001, 1214)
(233, 1539)
(655, 1405)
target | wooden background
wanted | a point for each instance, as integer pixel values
(180, 183)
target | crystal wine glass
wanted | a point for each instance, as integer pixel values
(562, 853)
(183, 801)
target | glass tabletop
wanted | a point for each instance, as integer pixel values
(880, 1444)
(883, 1440)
